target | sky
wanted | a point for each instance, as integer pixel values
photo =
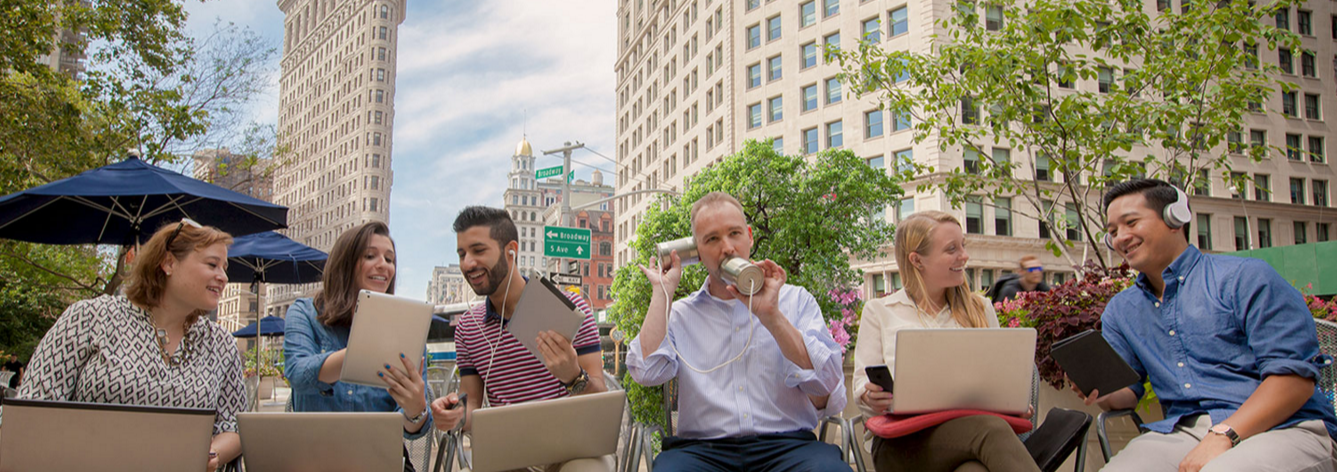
(474, 78)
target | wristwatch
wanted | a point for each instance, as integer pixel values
(577, 384)
(1225, 430)
(415, 419)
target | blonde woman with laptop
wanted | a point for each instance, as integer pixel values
(931, 254)
(315, 337)
(152, 345)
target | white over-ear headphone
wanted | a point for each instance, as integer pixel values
(1175, 215)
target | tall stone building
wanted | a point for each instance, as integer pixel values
(524, 201)
(697, 78)
(448, 286)
(69, 51)
(336, 113)
(239, 306)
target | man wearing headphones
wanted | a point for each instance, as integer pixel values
(756, 373)
(492, 361)
(1228, 346)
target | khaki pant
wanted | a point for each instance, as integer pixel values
(971, 443)
(593, 464)
(1303, 447)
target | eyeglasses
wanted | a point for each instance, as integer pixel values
(184, 222)
(1035, 269)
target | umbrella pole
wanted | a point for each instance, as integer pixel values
(255, 288)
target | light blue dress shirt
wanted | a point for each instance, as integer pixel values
(1225, 323)
(763, 392)
(306, 344)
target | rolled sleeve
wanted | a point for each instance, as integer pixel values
(827, 374)
(302, 359)
(659, 367)
(1279, 328)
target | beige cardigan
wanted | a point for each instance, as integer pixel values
(880, 321)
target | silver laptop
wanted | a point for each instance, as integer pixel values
(383, 327)
(324, 442)
(546, 432)
(964, 368)
(42, 435)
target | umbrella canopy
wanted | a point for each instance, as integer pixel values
(269, 326)
(124, 203)
(270, 257)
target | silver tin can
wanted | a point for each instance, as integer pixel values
(744, 275)
(686, 248)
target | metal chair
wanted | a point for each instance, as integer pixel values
(1327, 384)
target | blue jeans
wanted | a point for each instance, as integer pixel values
(780, 452)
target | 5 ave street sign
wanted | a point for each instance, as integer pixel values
(564, 279)
(572, 243)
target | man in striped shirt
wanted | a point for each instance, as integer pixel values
(493, 362)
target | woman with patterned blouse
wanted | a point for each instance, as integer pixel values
(152, 346)
(315, 337)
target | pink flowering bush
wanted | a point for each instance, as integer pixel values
(845, 328)
(1320, 308)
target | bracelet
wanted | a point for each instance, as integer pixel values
(415, 419)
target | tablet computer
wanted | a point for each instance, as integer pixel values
(543, 307)
(383, 327)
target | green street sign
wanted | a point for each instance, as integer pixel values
(571, 243)
(548, 172)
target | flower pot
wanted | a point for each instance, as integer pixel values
(267, 388)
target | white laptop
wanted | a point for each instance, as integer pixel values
(546, 432)
(964, 368)
(41, 435)
(322, 442)
(383, 327)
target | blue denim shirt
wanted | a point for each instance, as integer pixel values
(1225, 324)
(306, 345)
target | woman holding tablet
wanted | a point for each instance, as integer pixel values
(315, 337)
(931, 254)
(152, 345)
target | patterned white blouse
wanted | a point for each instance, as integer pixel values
(105, 350)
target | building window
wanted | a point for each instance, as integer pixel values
(831, 41)
(901, 121)
(1002, 162)
(778, 144)
(971, 160)
(1311, 107)
(832, 90)
(1002, 216)
(1046, 218)
(1297, 191)
(1322, 232)
(1284, 19)
(1288, 105)
(975, 215)
(384, 33)
(834, 135)
(1301, 231)
(810, 141)
(872, 30)
(773, 65)
(1262, 188)
(1042, 167)
(1257, 138)
(1307, 66)
(809, 55)
(970, 112)
(905, 208)
(1304, 22)
(754, 115)
(809, 94)
(776, 108)
(754, 75)
(1074, 222)
(1320, 190)
(773, 28)
(380, 75)
(1285, 60)
(872, 123)
(1316, 149)
(876, 162)
(1264, 233)
(753, 37)
(904, 160)
(753, 4)
(807, 14)
(1294, 148)
(993, 17)
(1105, 79)
(900, 21)
(1241, 233)
(380, 96)
(1205, 232)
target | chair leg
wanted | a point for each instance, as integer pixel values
(1080, 465)
(856, 446)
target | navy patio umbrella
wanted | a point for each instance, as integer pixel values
(271, 257)
(269, 326)
(124, 203)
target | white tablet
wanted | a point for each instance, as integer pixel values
(543, 307)
(383, 327)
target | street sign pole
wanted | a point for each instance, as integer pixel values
(565, 218)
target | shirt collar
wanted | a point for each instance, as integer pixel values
(490, 314)
(1181, 266)
(901, 297)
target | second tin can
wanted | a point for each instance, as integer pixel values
(744, 275)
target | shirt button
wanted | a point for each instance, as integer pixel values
(1158, 304)
(1181, 278)
(350, 392)
(1181, 364)
(1172, 332)
(1188, 385)
(740, 389)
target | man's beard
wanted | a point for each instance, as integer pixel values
(495, 275)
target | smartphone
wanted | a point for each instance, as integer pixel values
(880, 375)
(464, 397)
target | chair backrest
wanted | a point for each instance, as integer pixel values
(669, 394)
(1327, 344)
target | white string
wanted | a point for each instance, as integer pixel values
(751, 320)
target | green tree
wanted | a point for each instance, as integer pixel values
(1100, 91)
(808, 215)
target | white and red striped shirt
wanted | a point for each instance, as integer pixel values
(515, 376)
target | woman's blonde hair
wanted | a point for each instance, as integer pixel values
(914, 234)
(147, 282)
